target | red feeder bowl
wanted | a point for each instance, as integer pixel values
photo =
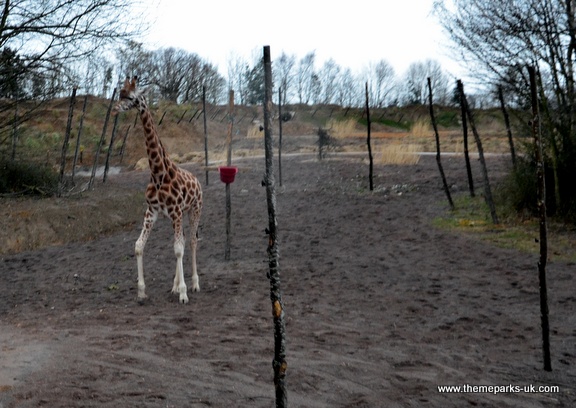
(227, 174)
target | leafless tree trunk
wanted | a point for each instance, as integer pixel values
(304, 77)
(284, 69)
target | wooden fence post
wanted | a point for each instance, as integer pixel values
(123, 148)
(541, 179)
(78, 138)
(507, 123)
(279, 363)
(181, 117)
(487, 189)
(66, 140)
(280, 136)
(229, 163)
(102, 138)
(205, 131)
(437, 136)
(110, 148)
(369, 143)
(460, 87)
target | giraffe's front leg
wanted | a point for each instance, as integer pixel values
(149, 220)
(179, 284)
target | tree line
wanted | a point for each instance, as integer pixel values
(501, 40)
(180, 76)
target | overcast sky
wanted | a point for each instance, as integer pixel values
(353, 33)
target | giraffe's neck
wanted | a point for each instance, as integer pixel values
(158, 158)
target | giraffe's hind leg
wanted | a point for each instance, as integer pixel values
(194, 221)
(179, 283)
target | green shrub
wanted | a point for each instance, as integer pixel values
(517, 192)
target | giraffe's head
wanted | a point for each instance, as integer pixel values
(130, 96)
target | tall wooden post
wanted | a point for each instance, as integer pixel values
(508, 127)
(123, 148)
(369, 143)
(102, 138)
(460, 87)
(80, 126)
(542, 215)
(66, 139)
(487, 189)
(437, 136)
(229, 163)
(110, 148)
(205, 132)
(280, 136)
(279, 363)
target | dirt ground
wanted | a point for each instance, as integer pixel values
(381, 306)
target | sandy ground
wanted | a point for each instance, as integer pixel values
(381, 306)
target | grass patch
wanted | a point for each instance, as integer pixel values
(421, 128)
(472, 216)
(397, 154)
(341, 128)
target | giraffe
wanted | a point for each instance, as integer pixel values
(172, 191)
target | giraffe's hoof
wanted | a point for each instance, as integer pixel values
(142, 300)
(184, 299)
(195, 283)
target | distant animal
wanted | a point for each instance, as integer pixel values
(286, 116)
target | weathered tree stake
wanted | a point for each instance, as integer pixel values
(279, 363)
(369, 143)
(487, 189)
(508, 128)
(65, 144)
(205, 132)
(438, 160)
(78, 138)
(542, 214)
(102, 138)
(229, 163)
(460, 87)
